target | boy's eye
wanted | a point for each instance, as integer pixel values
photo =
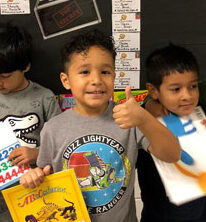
(105, 72)
(84, 72)
(4, 76)
(175, 89)
(194, 86)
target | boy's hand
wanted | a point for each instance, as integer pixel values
(23, 155)
(155, 108)
(128, 114)
(34, 177)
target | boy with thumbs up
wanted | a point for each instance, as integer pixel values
(97, 138)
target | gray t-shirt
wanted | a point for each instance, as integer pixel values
(103, 157)
(27, 111)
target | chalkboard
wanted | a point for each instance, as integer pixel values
(46, 62)
(181, 22)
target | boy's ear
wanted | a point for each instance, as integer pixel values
(152, 90)
(27, 68)
(65, 80)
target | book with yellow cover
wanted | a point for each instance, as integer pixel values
(58, 198)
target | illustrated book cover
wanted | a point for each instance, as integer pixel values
(58, 198)
(185, 180)
(8, 174)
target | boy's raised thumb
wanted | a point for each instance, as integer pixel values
(47, 170)
(128, 92)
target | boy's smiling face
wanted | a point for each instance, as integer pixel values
(13, 81)
(90, 77)
(179, 92)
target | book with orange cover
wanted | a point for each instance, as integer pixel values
(58, 198)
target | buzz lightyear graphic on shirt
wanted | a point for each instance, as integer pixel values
(102, 170)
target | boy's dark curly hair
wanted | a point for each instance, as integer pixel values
(83, 42)
(15, 48)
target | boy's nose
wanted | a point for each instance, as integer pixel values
(186, 94)
(96, 78)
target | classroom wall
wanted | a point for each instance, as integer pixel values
(182, 22)
(179, 21)
(46, 64)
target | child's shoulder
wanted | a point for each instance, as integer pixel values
(60, 119)
(37, 87)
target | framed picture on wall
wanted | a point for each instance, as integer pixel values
(56, 17)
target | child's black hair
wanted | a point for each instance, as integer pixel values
(83, 42)
(164, 61)
(15, 48)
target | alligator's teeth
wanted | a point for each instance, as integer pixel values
(18, 133)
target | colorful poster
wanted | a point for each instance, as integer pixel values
(139, 96)
(66, 101)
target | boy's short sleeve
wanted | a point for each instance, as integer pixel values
(142, 141)
(145, 143)
(45, 153)
(51, 106)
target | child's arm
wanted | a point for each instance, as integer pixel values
(203, 122)
(163, 143)
(34, 177)
(23, 155)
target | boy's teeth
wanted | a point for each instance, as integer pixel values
(96, 92)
